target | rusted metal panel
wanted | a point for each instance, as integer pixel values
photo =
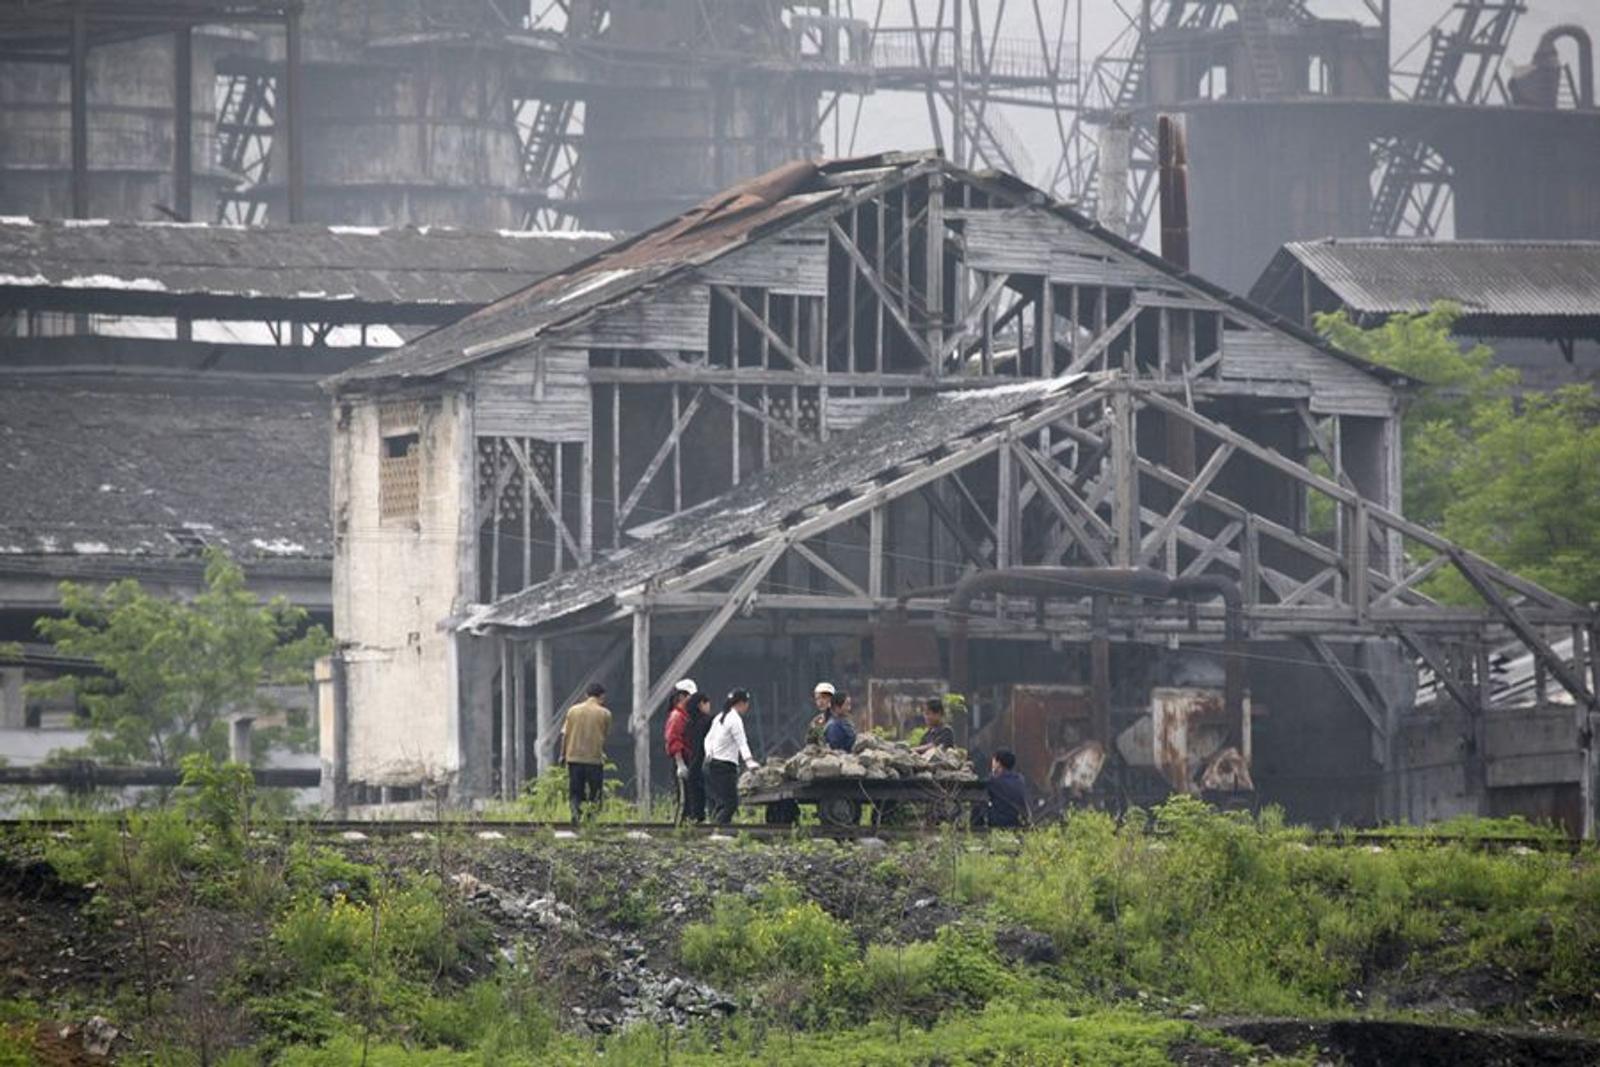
(1047, 722)
(1185, 736)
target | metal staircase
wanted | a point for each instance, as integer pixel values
(244, 143)
(1412, 189)
(1256, 32)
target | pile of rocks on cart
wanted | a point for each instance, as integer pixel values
(872, 759)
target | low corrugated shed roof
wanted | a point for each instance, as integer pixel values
(161, 468)
(150, 267)
(1522, 279)
(772, 498)
(624, 271)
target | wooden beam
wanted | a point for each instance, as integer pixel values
(1202, 481)
(970, 327)
(639, 714)
(760, 416)
(951, 522)
(1349, 683)
(1075, 520)
(864, 268)
(732, 603)
(1125, 480)
(545, 500)
(1097, 347)
(828, 569)
(544, 706)
(1543, 654)
(768, 335)
(660, 458)
(1423, 650)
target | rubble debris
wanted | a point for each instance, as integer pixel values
(872, 759)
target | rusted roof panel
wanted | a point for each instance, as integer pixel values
(1512, 278)
(765, 502)
(627, 270)
(175, 262)
(160, 468)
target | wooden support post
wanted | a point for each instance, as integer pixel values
(616, 462)
(1125, 479)
(79, 104)
(1046, 339)
(1100, 667)
(935, 248)
(639, 715)
(544, 705)
(1005, 510)
(875, 560)
(508, 737)
(519, 709)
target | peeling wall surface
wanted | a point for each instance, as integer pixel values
(394, 581)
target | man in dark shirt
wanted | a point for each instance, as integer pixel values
(935, 733)
(1008, 793)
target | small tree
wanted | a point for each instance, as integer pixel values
(168, 671)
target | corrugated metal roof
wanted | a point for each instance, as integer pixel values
(1512, 278)
(430, 267)
(768, 500)
(159, 468)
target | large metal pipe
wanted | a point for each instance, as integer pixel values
(1539, 84)
(1104, 584)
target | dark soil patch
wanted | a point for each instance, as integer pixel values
(1375, 1043)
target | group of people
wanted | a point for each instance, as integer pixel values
(708, 747)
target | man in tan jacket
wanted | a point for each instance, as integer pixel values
(583, 750)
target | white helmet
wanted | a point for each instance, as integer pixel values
(823, 687)
(686, 685)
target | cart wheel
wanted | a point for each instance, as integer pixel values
(839, 812)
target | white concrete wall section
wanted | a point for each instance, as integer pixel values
(395, 580)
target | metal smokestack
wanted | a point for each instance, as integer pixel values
(1173, 153)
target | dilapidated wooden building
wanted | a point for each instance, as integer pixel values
(906, 427)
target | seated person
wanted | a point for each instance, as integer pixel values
(935, 733)
(1008, 792)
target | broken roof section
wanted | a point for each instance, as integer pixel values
(745, 213)
(1504, 288)
(775, 498)
(626, 269)
(427, 275)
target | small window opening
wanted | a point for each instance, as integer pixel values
(399, 462)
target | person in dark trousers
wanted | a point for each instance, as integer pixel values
(677, 739)
(935, 734)
(726, 749)
(583, 750)
(1008, 792)
(694, 799)
(840, 733)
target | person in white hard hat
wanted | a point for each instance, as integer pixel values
(677, 737)
(822, 697)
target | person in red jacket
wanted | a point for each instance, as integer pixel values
(679, 749)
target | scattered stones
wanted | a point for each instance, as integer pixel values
(872, 759)
(99, 1035)
(352, 835)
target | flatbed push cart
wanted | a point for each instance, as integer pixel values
(839, 801)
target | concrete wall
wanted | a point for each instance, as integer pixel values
(394, 582)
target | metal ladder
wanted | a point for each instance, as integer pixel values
(1257, 35)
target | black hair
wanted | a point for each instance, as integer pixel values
(595, 689)
(936, 704)
(1006, 758)
(838, 698)
(696, 699)
(735, 697)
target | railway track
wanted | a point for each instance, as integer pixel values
(491, 830)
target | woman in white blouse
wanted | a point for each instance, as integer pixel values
(726, 748)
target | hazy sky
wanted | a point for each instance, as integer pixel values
(892, 120)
